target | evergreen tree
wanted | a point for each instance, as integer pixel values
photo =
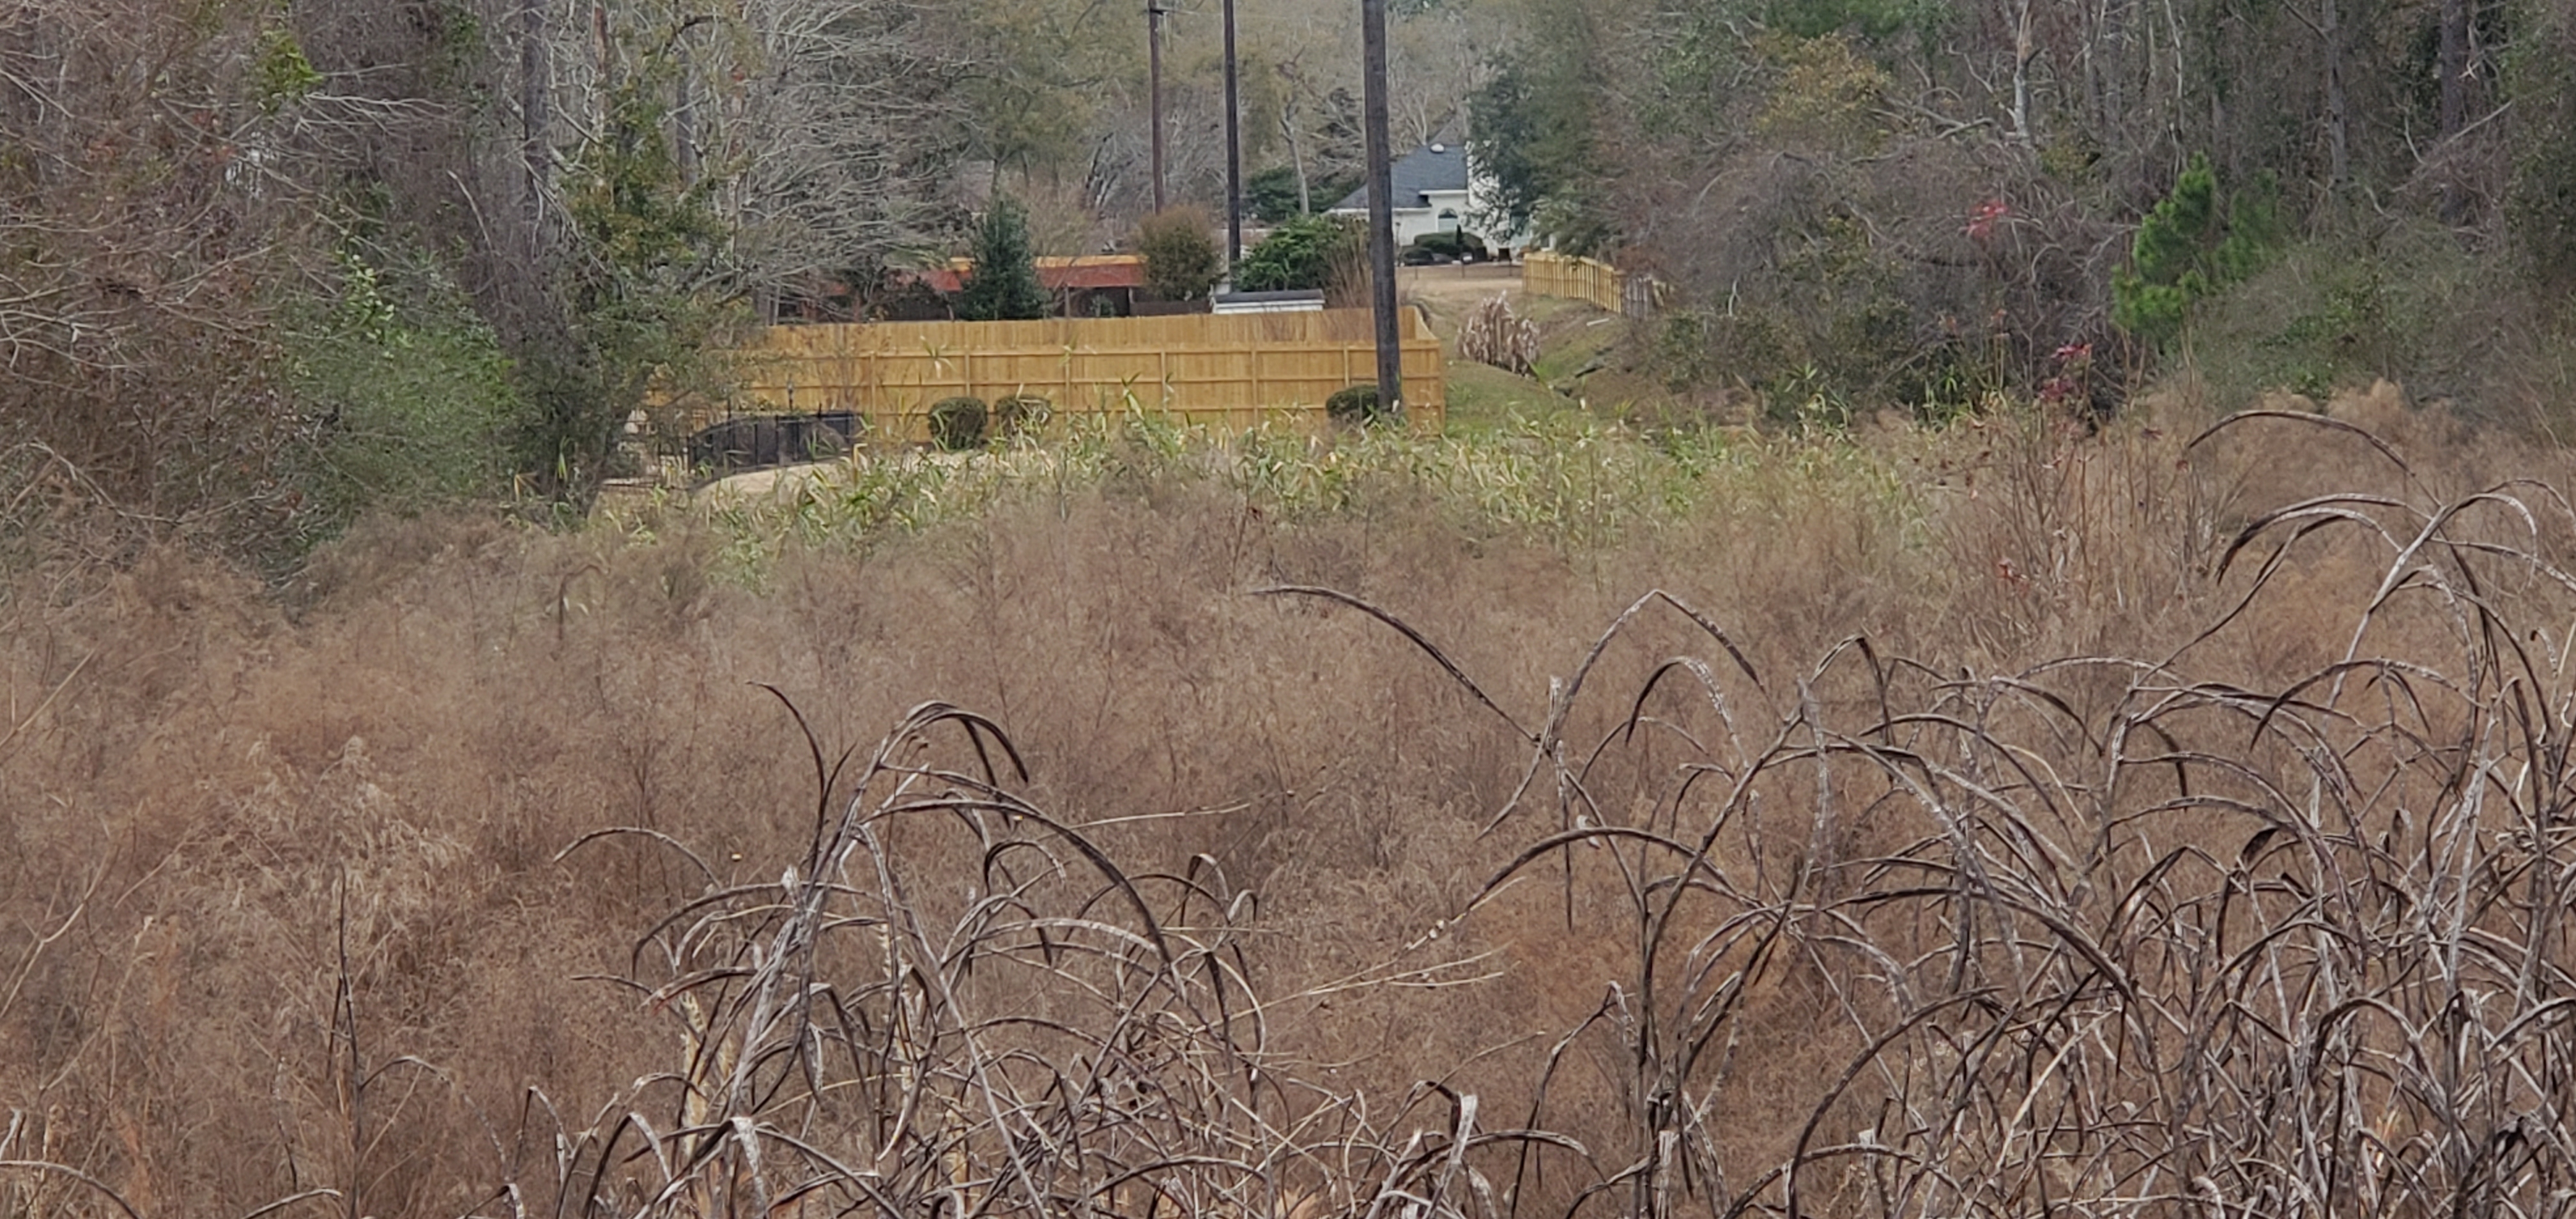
(1003, 286)
(1182, 260)
(2190, 246)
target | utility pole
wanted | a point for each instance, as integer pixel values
(1154, 56)
(1233, 151)
(1381, 196)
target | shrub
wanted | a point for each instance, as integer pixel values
(406, 397)
(1355, 405)
(1003, 286)
(1452, 246)
(1181, 259)
(957, 424)
(1020, 415)
(1299, 255)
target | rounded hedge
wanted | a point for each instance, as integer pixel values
(957, 424)
(1357, 404)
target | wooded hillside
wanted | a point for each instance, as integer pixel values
(266, 265)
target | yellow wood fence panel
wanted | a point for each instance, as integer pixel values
(1583, 279)
(1234, 369)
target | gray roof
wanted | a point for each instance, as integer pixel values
(1428, 168)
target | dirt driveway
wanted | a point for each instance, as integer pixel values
(1450, 291)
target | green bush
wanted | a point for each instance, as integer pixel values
(1181, 259)
(957, 424)
(1355, 405)
(1298, 255)
(406, 397)
(1445, 247)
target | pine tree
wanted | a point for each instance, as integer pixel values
(2189, 246)
(1003, 286)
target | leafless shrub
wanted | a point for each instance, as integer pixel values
(2099, 935)
(956, 1004)
(1493, 336)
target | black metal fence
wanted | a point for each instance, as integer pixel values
(757, 442)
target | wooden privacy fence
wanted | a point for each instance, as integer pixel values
(1234, 371)
(1589, 279)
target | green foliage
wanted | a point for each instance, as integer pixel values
(957, 424)
(1272, 193)
(2411, 304)
(649, 302)
(1354, 405)
(405, 394)
(1181, 259)
(1035, 95)
(284, 74)
(1450, 246)
(1003, 286)
(2189, 246)
(1535, 141)
(1298, 255)
(2540, 199)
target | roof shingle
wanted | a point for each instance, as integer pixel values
(1428, 168)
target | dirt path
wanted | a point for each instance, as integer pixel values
(1447, 293)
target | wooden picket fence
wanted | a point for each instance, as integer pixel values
(1583, 279)
(1235, 371)
(1589, 279)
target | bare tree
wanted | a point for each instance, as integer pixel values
(150, 190)
(842, 126)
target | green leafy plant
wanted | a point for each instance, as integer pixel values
(285, 74)
(404, 392)
(1003, 286)
(1181, 259)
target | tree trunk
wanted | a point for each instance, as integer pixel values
(1294, 130)
(684, 118)
(2025, 46)
(1297, 156)
(535, 119)
(2453, 65)
(2338, 104)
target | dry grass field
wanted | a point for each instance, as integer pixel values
(2007, 820)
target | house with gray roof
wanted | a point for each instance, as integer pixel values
(1435, 191)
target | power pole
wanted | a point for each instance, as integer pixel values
(1233, 151)
(1381, 194)
(1154, 56)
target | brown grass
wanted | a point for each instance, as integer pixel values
(1966, 848)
